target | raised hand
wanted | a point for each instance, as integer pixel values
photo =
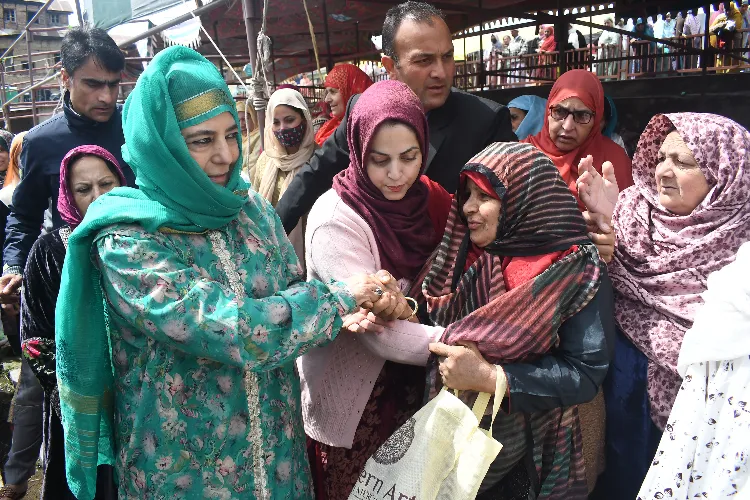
(598, 192)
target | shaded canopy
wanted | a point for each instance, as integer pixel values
(352, 23)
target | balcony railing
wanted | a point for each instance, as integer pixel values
(631, 59)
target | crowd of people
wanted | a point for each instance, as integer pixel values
(729, 29)
(209, 315)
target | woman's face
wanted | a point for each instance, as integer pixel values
(90, 177)
(679, 181)
(506, 40)
(394, 160)
(516, 117)
(482, 213)
(243, 121)
(335, 101)
(568, 133)
(213, 145)
(547, 33)
(4, 160)
(285, 117)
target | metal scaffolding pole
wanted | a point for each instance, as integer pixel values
(31, 78)
(25, 29)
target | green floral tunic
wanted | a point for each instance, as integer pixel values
(204, 331)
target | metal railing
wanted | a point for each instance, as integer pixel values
(631, 59)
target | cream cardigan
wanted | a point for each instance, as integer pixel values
(337, 379)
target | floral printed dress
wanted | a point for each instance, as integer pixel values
(204, 329)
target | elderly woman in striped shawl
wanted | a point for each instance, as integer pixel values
(517, 283)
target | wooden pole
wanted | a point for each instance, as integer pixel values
(252, 46)
(707, 52)
(329, 59)
(79, 12)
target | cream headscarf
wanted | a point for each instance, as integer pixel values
(278, 159)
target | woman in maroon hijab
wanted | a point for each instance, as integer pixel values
(382, 213)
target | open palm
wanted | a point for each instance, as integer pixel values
(598, 192)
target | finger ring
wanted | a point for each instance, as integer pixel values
(378, 291)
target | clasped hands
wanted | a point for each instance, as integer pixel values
(380, 300)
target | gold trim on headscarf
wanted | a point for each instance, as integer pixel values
(200, 104)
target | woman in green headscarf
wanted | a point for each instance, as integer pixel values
(176, 340)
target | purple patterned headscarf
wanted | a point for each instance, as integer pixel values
(66, 204)
(662, 260)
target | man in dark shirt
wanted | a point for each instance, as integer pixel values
(418, 51)
(92, 64)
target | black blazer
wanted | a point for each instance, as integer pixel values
(459, 129)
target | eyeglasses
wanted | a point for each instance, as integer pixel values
(560, 113)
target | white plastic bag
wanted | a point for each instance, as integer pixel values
(439, 453)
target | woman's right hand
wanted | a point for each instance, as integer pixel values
(598, 192)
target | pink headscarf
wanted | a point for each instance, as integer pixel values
(66, 204)
(403, 229)
(662, 260)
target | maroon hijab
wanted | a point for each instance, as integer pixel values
(66, 204)
(403, 229)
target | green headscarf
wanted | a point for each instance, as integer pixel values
(180, 88)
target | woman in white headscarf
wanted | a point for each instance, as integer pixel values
(289, 143)
(705, 445)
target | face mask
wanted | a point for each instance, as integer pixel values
(291, 137)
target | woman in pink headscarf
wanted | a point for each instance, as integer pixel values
(685, 217)
(381, 213)
(86, 173)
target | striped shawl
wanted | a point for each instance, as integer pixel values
(539, 217)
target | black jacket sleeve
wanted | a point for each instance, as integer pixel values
(316, 176)
(41, 285)
(30, 200)
(572, 373)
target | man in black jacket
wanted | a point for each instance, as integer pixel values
(419, 52)
(92, 64)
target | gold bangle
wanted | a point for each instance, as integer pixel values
(414, 308)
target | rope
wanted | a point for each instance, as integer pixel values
(218, 50)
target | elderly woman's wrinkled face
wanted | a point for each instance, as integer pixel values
(516, 117)
(90, 177)
(482, 213)
(335, 101)
(4, 160)
(213, 145)
(679, 181)
(570, 123)
(394, 161)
